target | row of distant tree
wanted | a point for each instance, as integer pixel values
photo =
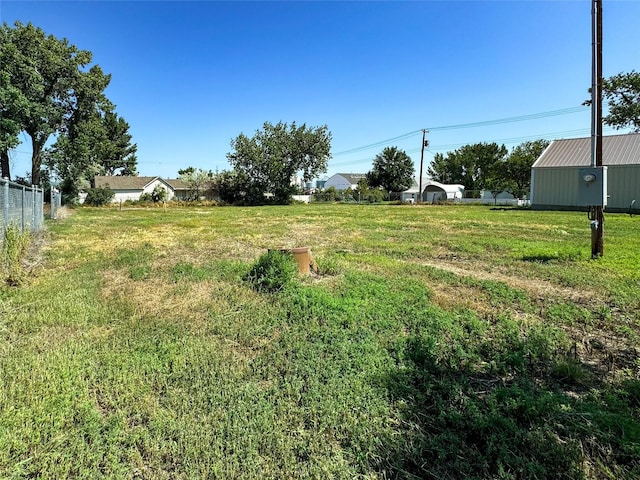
(261, 166)
(481, 166)
(50, 89)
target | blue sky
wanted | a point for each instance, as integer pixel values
(189, 76)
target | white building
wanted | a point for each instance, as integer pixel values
(344, 181)
(432, 191)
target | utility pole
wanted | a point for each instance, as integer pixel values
(425, 143)
(596, 213)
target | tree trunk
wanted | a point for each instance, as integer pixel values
(5, 172)
(36, 158)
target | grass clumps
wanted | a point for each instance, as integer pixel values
(423, 346)
(14, 249)
(272, 272)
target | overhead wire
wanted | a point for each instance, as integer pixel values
(498, 121)
(519, 118)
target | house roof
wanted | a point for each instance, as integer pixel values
(576, 152)
(177, 184)
(123, 182)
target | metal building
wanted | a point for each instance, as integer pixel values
(555, 175)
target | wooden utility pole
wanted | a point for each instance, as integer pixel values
(425, 143)
(596, 213)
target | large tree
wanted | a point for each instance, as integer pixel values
(54, 84)
(11, 102)
(515, 171)
(95, 144)
(471, 165)
(13, 105)
(275, 155)
(392, 170)
(622, 92)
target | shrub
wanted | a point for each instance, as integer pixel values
(159, 194)
(272, 272)
(99, 196)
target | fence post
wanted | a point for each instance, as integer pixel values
(34, 190)
(6, 202)
(24, 214)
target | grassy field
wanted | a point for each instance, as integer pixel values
(441, 342)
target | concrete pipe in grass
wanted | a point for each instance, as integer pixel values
(301, 255)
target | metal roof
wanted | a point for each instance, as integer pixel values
(353, 178)
(576, 152)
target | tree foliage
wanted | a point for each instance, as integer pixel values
(272, 158)
(198, 180)
(471, 165)
(393, 170)
(97, 145)
(99, 196)
(514, 173)
(622, 92)
(12, 107)
(55, 91)
(231, 186)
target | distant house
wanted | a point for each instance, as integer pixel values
(432, 191)
(555, 175)
(130, 188)
(186, 192)
(181, 190)
(344, 181)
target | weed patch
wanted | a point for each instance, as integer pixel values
(272, 272)
(14, 248)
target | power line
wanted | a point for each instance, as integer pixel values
(377, 144)
(519, 118)
(507, 141)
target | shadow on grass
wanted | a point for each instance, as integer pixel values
(456, 424)
(552, 257)
(540, 258)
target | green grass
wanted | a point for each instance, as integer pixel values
(439, 342)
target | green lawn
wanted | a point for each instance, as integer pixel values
(439, 342)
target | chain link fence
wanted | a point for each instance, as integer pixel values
(56, 203)
(20, 206)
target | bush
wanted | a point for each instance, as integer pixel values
(272, 272)
(99, 196)
(159, 194)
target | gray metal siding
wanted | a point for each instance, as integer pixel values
(623, 186)
(558, 187)
(555, 186)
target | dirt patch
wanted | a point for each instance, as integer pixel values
(64, 212)
(606, 353)
(534, 287)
